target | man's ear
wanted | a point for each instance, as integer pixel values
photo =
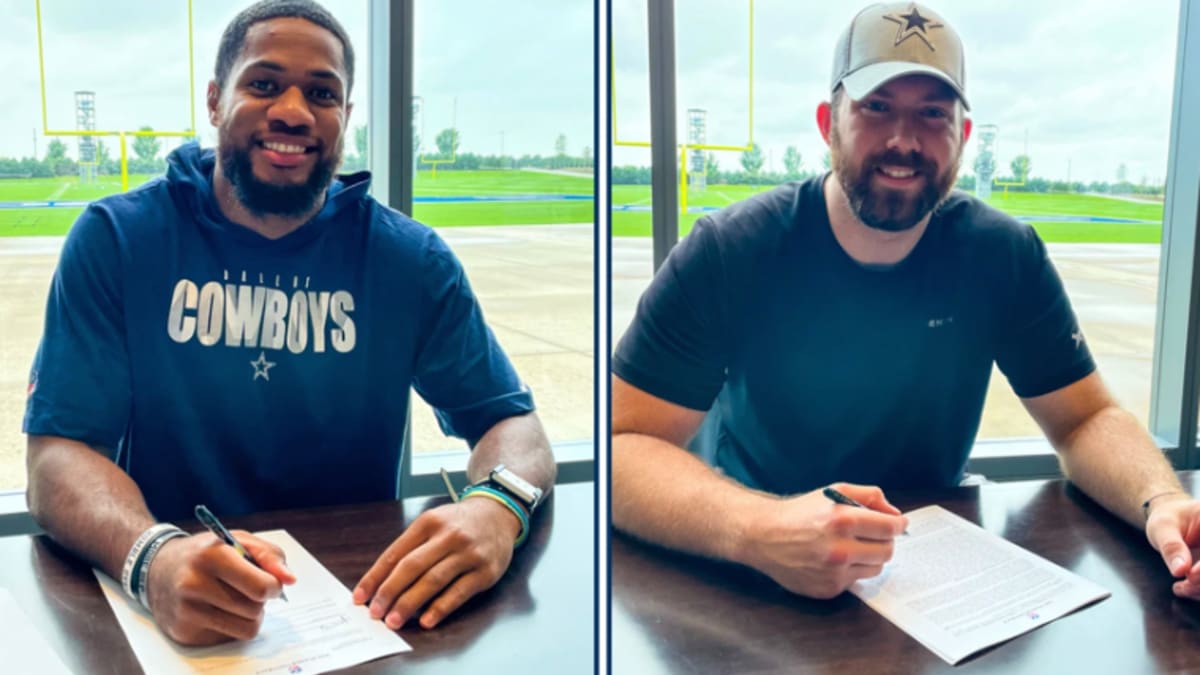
(966, 130)
(213, 100)
(825, 119)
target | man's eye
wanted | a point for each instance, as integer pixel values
(936, 113)
(262, 86)
(324, 94)
(875, 106)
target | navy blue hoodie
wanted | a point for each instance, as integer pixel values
(217, 366)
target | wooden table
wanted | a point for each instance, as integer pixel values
(538, 618)
(673, 613)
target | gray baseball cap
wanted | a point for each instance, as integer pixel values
(884, 42)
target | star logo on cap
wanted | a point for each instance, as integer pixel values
(912, 24)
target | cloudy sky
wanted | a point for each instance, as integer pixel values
(1091, 82)
(1088, 83)
(516, 74)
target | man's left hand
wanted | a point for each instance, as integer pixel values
(445, 557)
(1174, 531)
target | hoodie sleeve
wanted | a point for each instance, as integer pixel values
(79, 386)
(461, 369)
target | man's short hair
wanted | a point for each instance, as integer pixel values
(835, 102)
(234, 37)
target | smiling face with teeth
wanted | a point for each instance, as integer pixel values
(281, 118)
(896, 151)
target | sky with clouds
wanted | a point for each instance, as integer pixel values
(1089, 84)
(511, 74)
(1090, 81)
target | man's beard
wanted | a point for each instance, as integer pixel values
(263, 199)
(887, 209)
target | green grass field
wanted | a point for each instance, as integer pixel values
(26, 222)
(637, 223)
(34, 222)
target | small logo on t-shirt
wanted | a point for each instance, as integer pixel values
(262, 366)
(938, 323)
(1077, 336)
(32, 384)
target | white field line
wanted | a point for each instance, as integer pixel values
(62, 187)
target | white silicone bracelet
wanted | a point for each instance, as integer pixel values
(135, 552)
(144, 568)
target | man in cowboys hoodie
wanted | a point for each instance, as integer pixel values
(244, 333)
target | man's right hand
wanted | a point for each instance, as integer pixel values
(201, 591)
(817, 548)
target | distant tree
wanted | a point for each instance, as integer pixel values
(711, 168)
(827, 160)
(752, 159)
(586, 155)
(55, 150)
(104, 160)
(1020, 167)
(146, 147)
(1122, 173)
(791, 161)
(447, 142)
(57, 163)
(560, 146)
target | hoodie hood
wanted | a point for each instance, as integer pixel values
(190, 177)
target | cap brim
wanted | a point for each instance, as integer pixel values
(869, 78)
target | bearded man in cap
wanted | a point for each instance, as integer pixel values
(842, 330)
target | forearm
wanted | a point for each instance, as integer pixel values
(1114, 460)
(664, 494)
(520, 444)
(84, 501)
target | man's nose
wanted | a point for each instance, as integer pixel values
(291, 108)
(903, 136)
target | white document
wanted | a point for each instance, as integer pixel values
(319, 630)
(25, 651)
(958, 589)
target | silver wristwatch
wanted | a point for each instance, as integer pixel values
(502, 478)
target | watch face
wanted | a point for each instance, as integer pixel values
(519, 486)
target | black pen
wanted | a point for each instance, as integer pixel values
(210, 521)
(840, 498)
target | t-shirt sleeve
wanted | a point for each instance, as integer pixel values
(677, 346)
(79, 386)
(461, 370)
(1042, 348)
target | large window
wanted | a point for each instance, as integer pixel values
(503, 169)
(1072, 109)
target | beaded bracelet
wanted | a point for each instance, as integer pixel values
(135, 554)
(508, 502)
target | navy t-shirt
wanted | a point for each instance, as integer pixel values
(823, 369)
(217, 366)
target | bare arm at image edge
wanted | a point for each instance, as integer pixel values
(84, 501)
(664, 494)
